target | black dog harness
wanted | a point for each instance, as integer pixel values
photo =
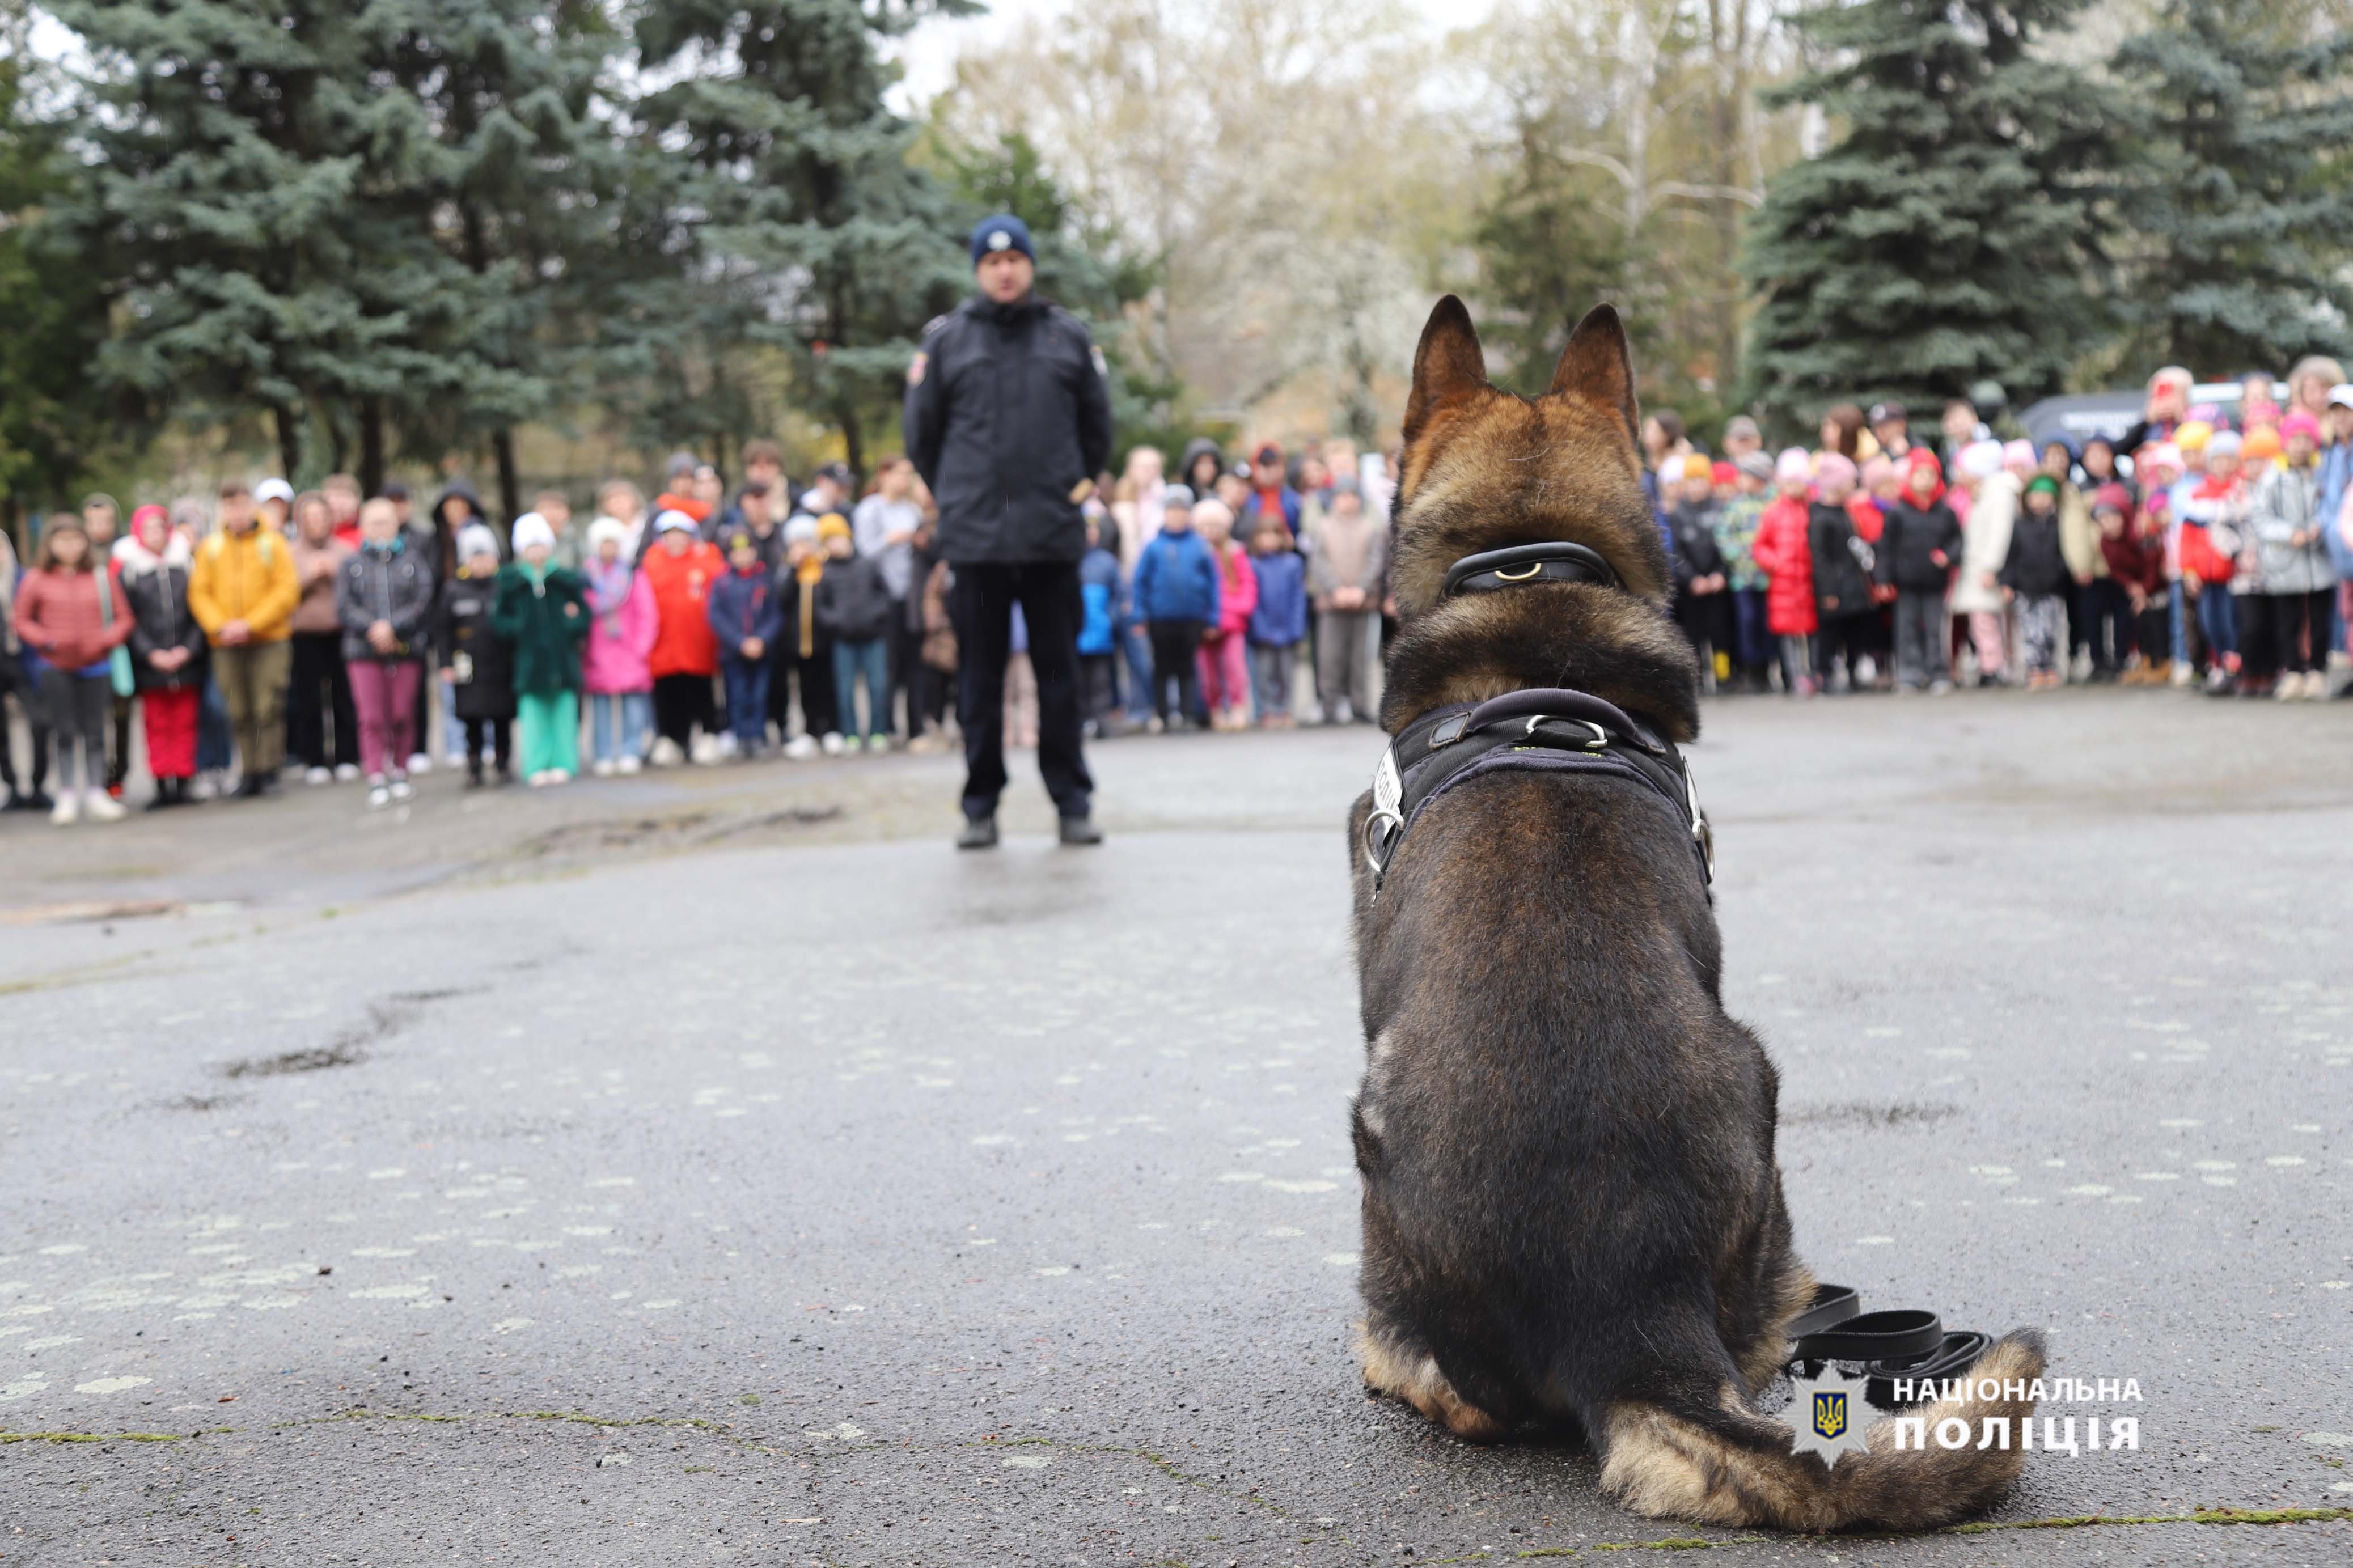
(1544, 730)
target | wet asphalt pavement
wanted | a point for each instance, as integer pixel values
(714, 1166)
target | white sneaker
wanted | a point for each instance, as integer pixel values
(706, 751)
(2315, 685)
(2288, 686)
(379, 797)
(401, 788)
(202, 787)
(878, 744)
(801, 748)
(627, 766)
(559, 775)
(99, 806)
(317, 776)
(834, 745)
(68, 810)
(418, 762)
(346, 772)
(726, 744)
(666, 753)
(604, 768)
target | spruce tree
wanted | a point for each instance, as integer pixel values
(52, 414)
(223, 141)
(1945, 237)
(348, 216)
(509, 190)
(1546, 252)
(804, 209)
(2243, 203)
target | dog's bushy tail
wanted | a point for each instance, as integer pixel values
(1725, 1464)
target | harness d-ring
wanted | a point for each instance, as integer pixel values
(1599, 742)
(1386, 822)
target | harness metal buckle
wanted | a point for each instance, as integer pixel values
(1702, 832)
(1388, 800)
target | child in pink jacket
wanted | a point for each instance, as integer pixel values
(1225, 647)
(613, 669)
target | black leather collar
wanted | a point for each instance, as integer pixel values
(1553, 561)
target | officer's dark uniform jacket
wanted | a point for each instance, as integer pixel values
(1008, 412)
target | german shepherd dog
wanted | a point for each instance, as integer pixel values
(1572, 1214)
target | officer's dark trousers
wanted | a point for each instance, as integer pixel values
(982, 606)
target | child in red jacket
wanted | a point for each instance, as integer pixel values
(1783, 556)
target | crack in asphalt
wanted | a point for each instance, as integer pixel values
(385, 1019)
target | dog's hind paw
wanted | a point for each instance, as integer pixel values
(1413, 1375)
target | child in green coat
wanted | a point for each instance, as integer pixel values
(540, 611)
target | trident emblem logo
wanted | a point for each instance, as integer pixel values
(1823, 1415)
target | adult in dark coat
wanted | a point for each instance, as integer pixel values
(1008, 418)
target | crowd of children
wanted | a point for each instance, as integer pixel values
(1221, 590)
(2207, 545)
(270, 629)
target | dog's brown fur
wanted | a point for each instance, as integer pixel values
(1572, 1212)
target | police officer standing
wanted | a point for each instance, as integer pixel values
(1008, 419)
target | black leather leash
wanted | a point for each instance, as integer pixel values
(1544, 729)
(1908, 1342)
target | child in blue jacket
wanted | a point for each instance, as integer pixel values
(1279, 625)
(1100, 614)
(746, 617)
(1177, 597)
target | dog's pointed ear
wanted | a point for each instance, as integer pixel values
(1447, 367)
(1596, 365)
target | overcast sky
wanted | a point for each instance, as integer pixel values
(929, 52)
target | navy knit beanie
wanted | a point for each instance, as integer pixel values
(1003, 231)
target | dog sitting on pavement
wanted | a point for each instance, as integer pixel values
(1572, 1216)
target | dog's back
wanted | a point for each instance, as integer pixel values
(1572, 1212)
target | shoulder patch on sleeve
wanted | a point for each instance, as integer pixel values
(1103, 367)
(916, 366)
